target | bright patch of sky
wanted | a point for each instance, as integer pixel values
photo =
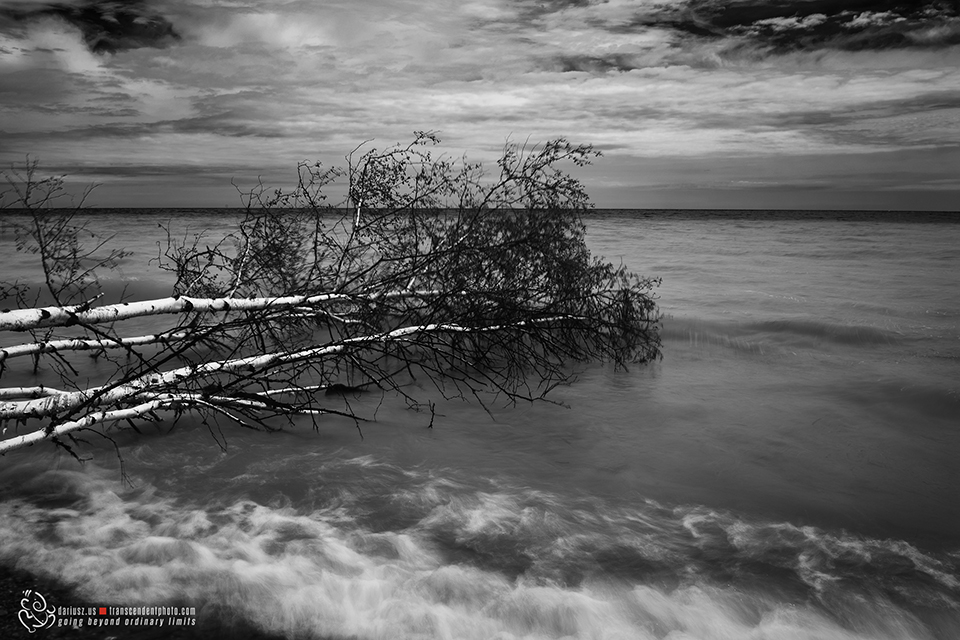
(793, 22)
(874, 18)
(168, 92)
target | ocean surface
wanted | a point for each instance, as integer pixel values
(789, 471)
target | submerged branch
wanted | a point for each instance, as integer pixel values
(64, 402)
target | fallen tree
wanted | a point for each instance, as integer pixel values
(431, 271)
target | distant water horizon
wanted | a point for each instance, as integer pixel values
(800, 214)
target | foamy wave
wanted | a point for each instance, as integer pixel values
(499, 563)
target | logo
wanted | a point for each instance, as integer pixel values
(34, 612)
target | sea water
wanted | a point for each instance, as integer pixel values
(789, 470)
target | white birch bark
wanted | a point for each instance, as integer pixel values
(25, 319)
(80, 344)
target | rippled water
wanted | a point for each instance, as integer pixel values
(787, 471)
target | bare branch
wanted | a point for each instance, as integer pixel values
(430, 269)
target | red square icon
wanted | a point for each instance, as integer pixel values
(103, 611)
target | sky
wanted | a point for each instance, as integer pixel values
(790, 104)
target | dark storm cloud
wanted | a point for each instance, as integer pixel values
(107, 26)
(142, 170)
(225, 124)
(780, 26)
(592, 64)
(928, 104)
(851, 25)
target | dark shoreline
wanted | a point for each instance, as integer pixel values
(14, 581)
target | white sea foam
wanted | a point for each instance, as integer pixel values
(314, 574)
